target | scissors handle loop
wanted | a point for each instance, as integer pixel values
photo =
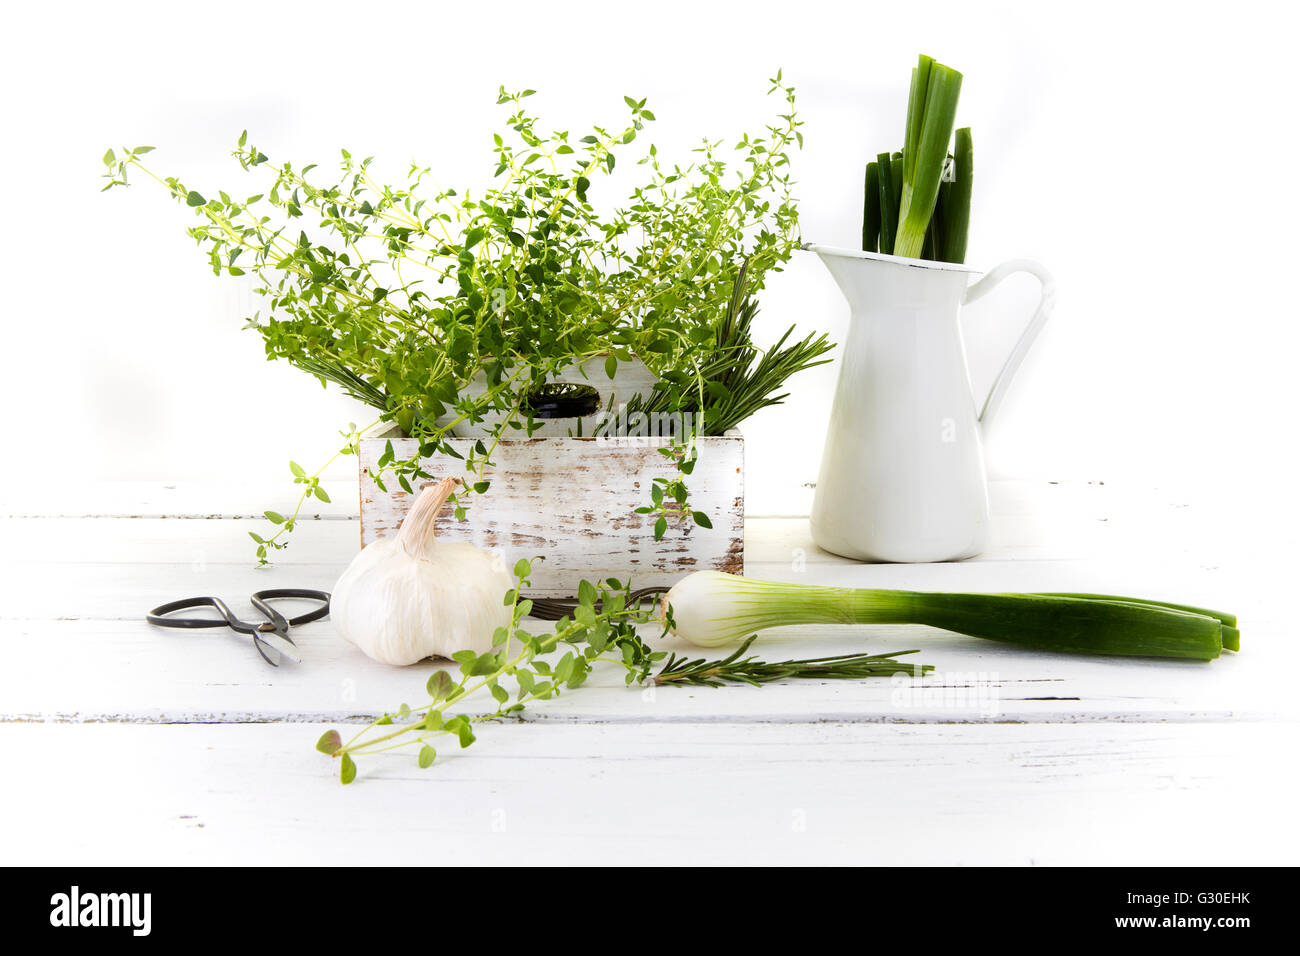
(158, 615)
(259, 600)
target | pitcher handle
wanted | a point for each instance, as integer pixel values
(1046, 300)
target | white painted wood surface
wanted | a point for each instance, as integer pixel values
(197, 752)
(573, 502)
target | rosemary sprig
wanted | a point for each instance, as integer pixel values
(728, 385)
(731, 381)
(750, 670)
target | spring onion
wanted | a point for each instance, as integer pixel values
(953, 209)
(871, 209)
(916, 202)
(710, 609)
(888, 202)
(931, 112)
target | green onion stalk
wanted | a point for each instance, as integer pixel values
(711, 609)
(931, 112)
(916, 203)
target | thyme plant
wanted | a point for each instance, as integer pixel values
(402, 295)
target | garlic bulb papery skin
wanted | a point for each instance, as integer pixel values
(411, 596)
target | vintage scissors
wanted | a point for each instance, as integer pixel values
(270, 637)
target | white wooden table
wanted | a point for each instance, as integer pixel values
(125, 744)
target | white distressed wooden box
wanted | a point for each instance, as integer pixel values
(573, 502)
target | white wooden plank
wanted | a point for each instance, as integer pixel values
(152, 541)
(52, 497)
(117, 540)
(828, 793)
(1031, 520)
(39, 583)
(191, 499)
(127, 671)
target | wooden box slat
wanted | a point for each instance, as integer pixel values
(572, 501)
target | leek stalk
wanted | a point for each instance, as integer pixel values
(711, 609)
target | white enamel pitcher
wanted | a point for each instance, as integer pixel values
(902, 474)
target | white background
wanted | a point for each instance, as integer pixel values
(1145, 154)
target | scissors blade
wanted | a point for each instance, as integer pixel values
(273, 646)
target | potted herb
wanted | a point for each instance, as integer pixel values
(448, 312)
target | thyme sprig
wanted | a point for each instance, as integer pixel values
(520, 670)
(514, 672)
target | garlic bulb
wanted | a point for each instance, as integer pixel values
(411, 596)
